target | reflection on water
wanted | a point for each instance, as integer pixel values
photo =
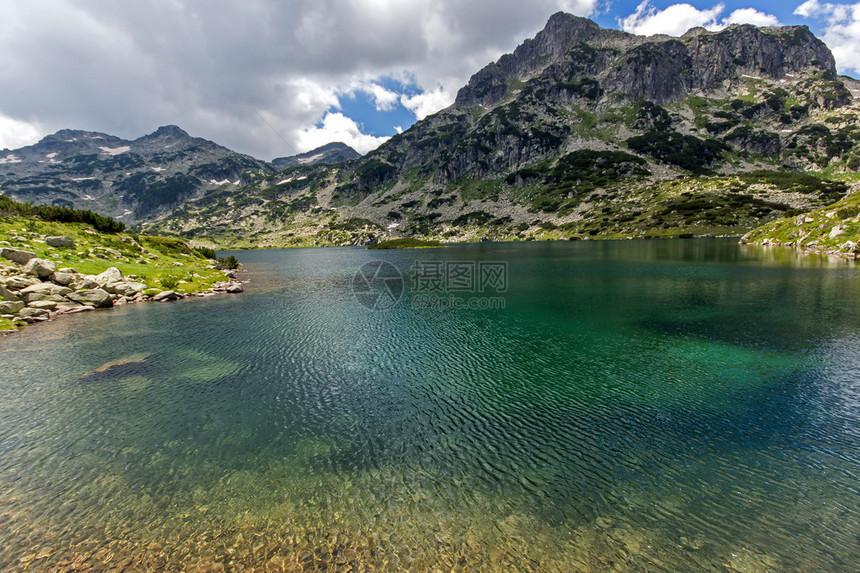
(666, 405)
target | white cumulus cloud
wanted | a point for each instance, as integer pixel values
(676, 19)
(427, 102)
(337, 127)
(215, 67)
(383, 98)
(751, 16)
(16, 133)
(841, 31)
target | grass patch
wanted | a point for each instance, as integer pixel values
(151, 259)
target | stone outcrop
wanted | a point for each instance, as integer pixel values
(40, 268)
(35, 291)
(60, 242)
(111, 275)
(62, 278)
(96, 297)
(165, 296)
(10, 306)
(20, 257)
(125, 288)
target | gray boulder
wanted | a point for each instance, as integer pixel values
(66, 307)
(112, 275)
(44, 289)
(20, 257)
(165, 296)
(62, 278)
(40, 268)
(95, 297)
(60, 242)
(125, 288)
(43, 304)
(19, 282)
(83, 282)
(10, 306)
(235, 287)
(35, 297)
(33, 314)
(7, 294)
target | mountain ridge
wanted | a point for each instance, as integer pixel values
(131, 179)
(329, 154)
(581, 132)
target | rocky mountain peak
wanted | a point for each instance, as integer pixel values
(743, 49)
(73, 136)
(659, 68)
(168, 131)
(562, 31)
(329, 154)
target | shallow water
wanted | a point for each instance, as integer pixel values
(653, 405)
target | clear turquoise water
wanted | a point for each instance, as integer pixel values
(666, 405)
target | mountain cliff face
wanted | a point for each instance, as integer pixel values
(583, 132)
(537, 102)
(661, 69)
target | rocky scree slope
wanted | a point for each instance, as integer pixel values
(580, 132)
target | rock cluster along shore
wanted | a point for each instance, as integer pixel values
(847, 250)
(35, 290)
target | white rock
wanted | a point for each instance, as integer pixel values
(62, 278)
(10, 306)
(20, 257)
(97, 298)
(40, 268)
(111, 275)
(164, 296)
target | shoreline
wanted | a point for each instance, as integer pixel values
(169, 296)
(34, 290)
(803, 250)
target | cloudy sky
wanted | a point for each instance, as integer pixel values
(272, 78)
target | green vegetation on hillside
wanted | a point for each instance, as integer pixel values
(406, 243)
(561, 188)
(10, 208)
(154, 261)
(834, 229)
